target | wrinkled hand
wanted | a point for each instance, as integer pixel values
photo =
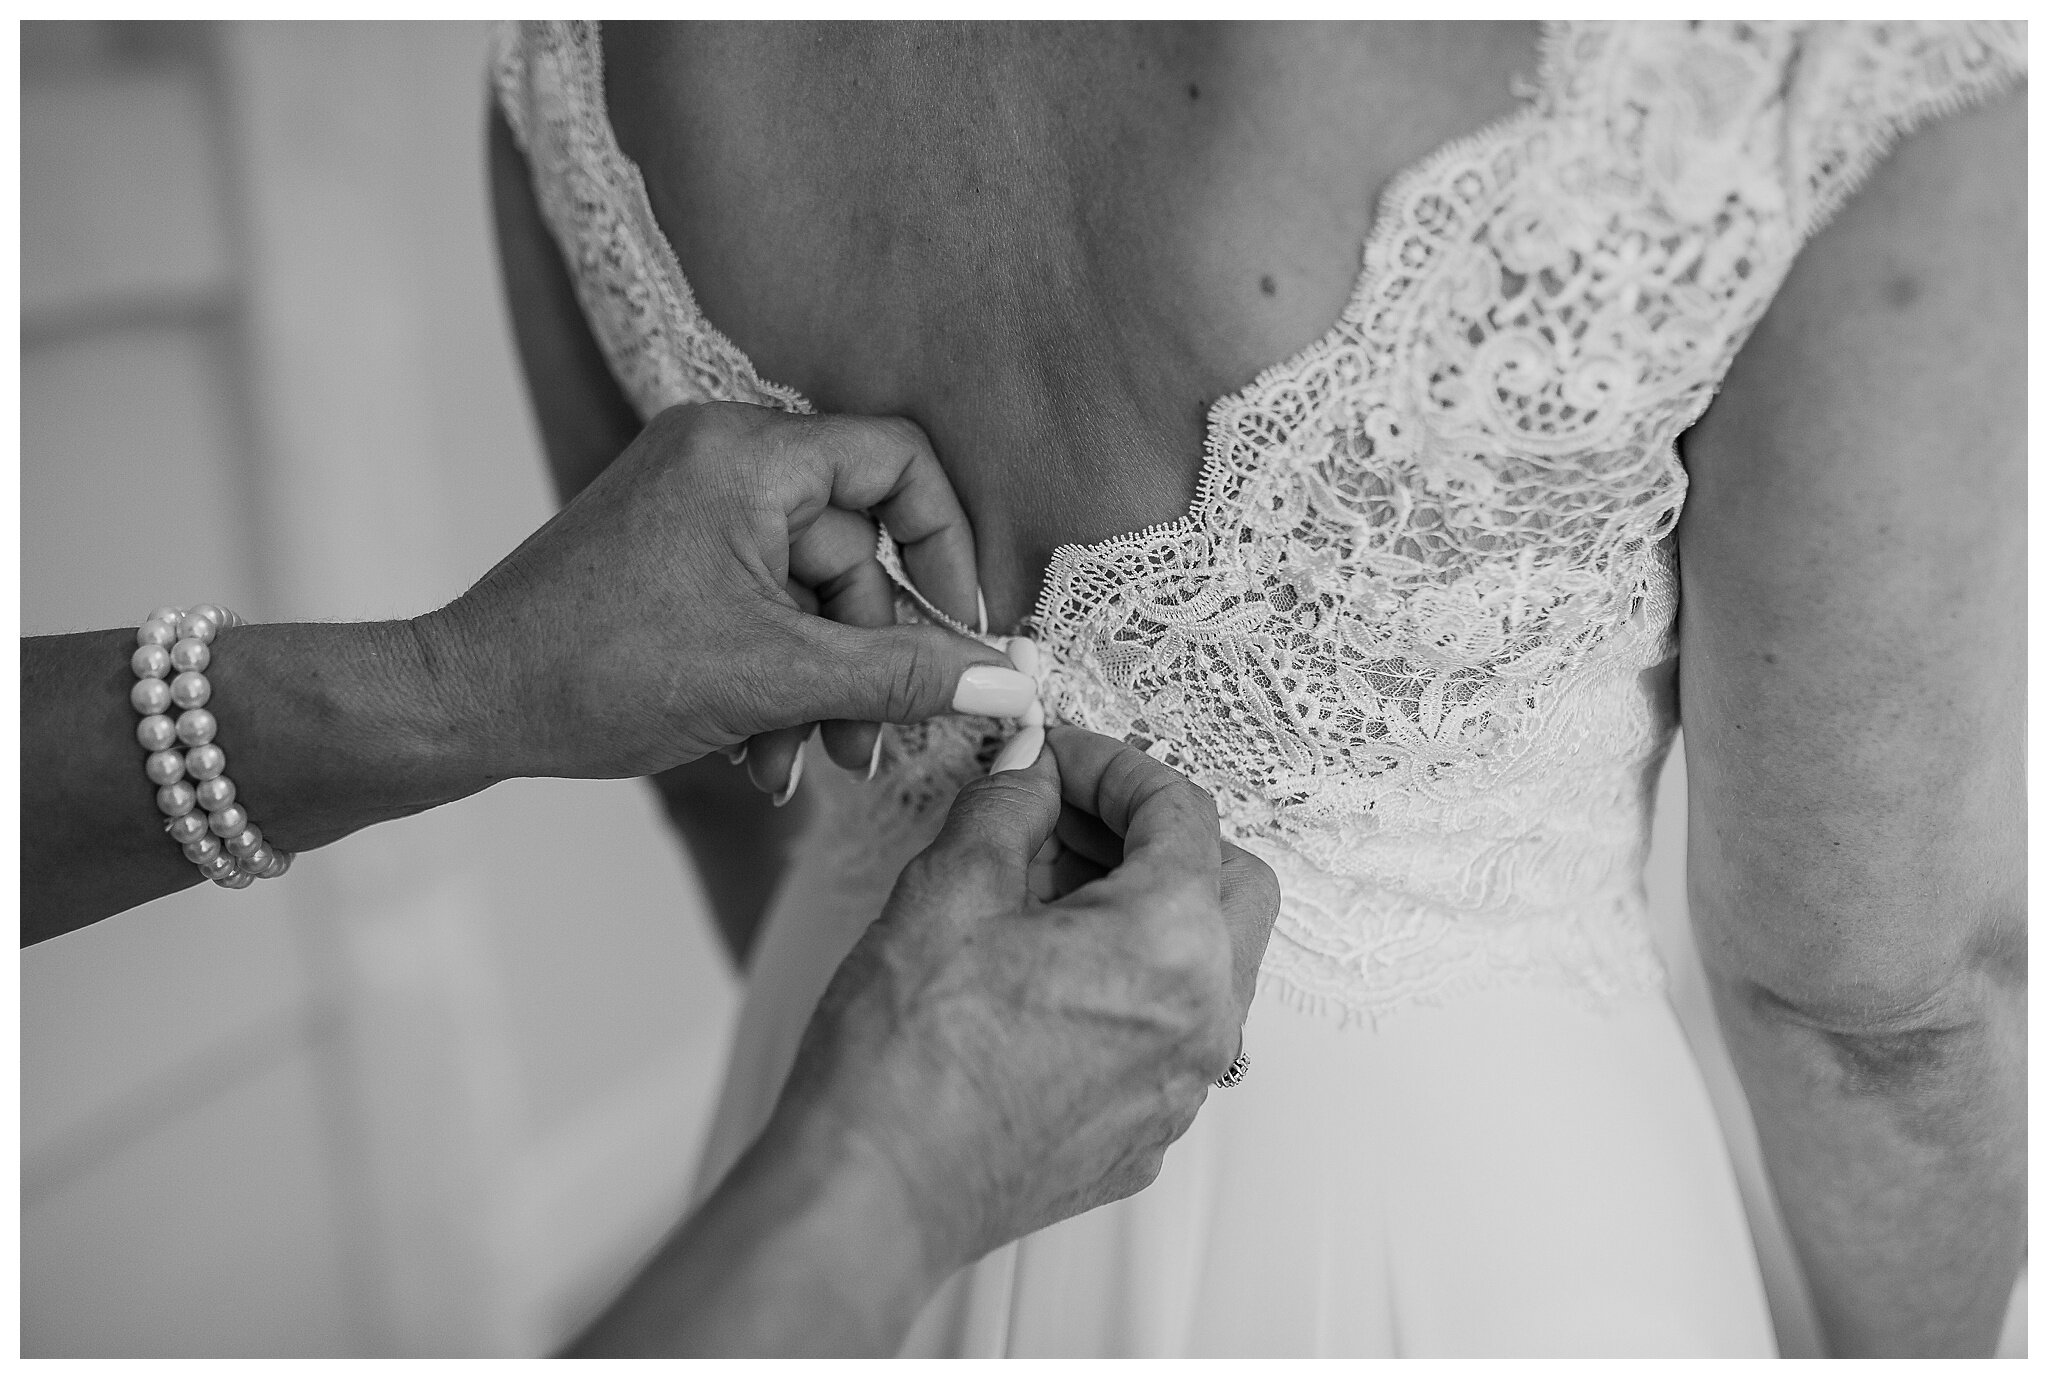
(1020, 1059)
(672, 608)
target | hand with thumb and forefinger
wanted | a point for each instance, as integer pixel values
(717, 585)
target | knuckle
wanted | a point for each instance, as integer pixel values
(910, 680)
(1185, 904)
(965, 853)
(1255, 885)
(1187, 1103)
(1145, 1171)
(979, 856)
(678, 420)
(1266, 879)
(1191, 964)
(900, 433)
(934, 886)
(1136, 1173)
(1192, 796)
(924, 876)
(1217, 1048)
(706, 435)
(694, 424)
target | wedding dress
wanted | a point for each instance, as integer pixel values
(1416, 635)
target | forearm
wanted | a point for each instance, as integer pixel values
(807, 1248)
(327, 728)
(1899, 1160)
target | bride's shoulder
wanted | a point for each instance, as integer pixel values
(1901, 150)
(1915, 269)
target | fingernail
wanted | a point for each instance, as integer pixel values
(875, 757)
(1023, 654)
(994, 692)
(980, 612)
(1020, 751)
(736, 755)
(796, 773)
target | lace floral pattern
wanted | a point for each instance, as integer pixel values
(1403, 633)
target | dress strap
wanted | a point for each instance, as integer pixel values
(1856, 89)
(550, 81)
(508, 76)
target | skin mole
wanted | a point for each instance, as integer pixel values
(1267, 285)
(1902, 290)
(1194, 92)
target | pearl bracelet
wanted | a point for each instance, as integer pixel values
(173, 647)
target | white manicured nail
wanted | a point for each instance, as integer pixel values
(1023, 654)
(875, 756)
(796, 773)
(980, 612)
(1020, 751)
(994, 692)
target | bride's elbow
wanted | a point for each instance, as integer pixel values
(1886, 1010)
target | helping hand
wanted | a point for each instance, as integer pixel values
(670, 609)
(1016, 1059)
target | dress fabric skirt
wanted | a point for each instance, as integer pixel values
(1514, 1173)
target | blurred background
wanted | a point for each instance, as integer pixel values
(436, 1092)
(439, 1091)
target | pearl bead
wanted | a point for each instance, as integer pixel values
(214, 613)
(150, 661)
(245, 842)
(196, 728)
(202, 849)
(279, 865)
(191, 655)
(215, 868)
(177, 799)
(235, 881)
(226, 823)
(190, 689)
(156, 732)
(187, 828)
(149, 696)
(156, 633)
(257, 859)
(205, 761)
(198, 627)
(165, 767)
(166, 614)
(217, 793)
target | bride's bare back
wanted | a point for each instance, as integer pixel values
(1053, 247)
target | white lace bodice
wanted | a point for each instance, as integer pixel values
(1405, 633)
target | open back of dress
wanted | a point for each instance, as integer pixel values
(1410, 636)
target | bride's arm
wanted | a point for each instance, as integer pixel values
(738, 840)
(1852, 680)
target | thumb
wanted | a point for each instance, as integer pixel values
(902, 674)
(997, 825)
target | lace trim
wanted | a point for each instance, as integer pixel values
(1401, 633)
(663, 349)
(1905, 78)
